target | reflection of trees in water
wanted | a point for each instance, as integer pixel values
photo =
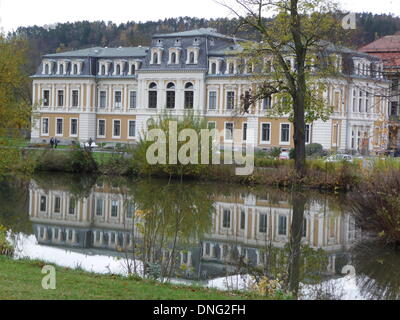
(296, 262)
(378, 272)
(168, 219)
(14, 200)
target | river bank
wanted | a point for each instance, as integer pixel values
(21, 279)
(336, 176)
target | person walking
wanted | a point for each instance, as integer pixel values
(56, 143)
(52, 143)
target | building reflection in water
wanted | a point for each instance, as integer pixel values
(195, 234)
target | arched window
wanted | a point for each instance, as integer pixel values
(103, 70)
(171, 96)
(75, 69)
(191, 58)
(133, 69)
(153, 95)
(118, 70)
(46, 69)
(213, 68)
(189, 95)
(155, 58)
(173, 58)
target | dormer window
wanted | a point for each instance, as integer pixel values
(193, 55)
(155, 58)
(133, 69)
(213, 68)
(103, 70)
(118, 72)
(46, 69)
(61, 69)
(75, 69)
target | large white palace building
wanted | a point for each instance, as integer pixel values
(109, 94)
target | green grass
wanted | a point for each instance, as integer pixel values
(21, 279)
(101, 157)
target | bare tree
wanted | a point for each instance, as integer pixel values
(292, 34)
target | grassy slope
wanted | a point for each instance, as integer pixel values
(22, 280)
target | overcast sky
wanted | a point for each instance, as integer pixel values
(15, 13)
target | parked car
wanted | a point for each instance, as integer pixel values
(339, 158)
(285, 155)
(86, 145)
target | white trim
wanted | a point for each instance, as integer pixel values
(284, 143)
(59, 134)
(247, 131)
(64, 100)
(120, 128)
(45, 134)
(70, 128)
(115, 106)
(233, 131)
(105, 129)
(261, 133)
(72, 99)
(129, 136)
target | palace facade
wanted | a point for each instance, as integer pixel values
(110, 94)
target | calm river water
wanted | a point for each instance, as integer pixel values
(216, 235)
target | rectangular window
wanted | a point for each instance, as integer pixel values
(59, 127)
(118, 99)
(394, 108)
(60, 98)
(116, 128)
(46, 98)
(230, 100)
(285, 133)
(304, 228)
(282, 226)
(75, 98)
(130, 211)
(266, 132)
(57, 205)
(263, 223)
(170, 99)
(101, 131)
(189, 99)
(152, 99)
(132, 128)
(132, 100)
(74, 127)
(211, 125)
(229, 131)
(72, 206)
(212, 100)
(114, 209)
(226, 223)
(99, 207)
(242, 220)
(308, 133)
(244, 131)
(45, 126)
(336, 101)
(360, 102)
(43, 203)
(103, 99)
(267, 103)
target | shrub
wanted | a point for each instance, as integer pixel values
(376, 205)
(314, 150)
(140, 161)
(5, 247)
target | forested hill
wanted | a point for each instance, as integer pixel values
(70, 36)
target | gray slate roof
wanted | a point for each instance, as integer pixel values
(194, 33)
(100, 52)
